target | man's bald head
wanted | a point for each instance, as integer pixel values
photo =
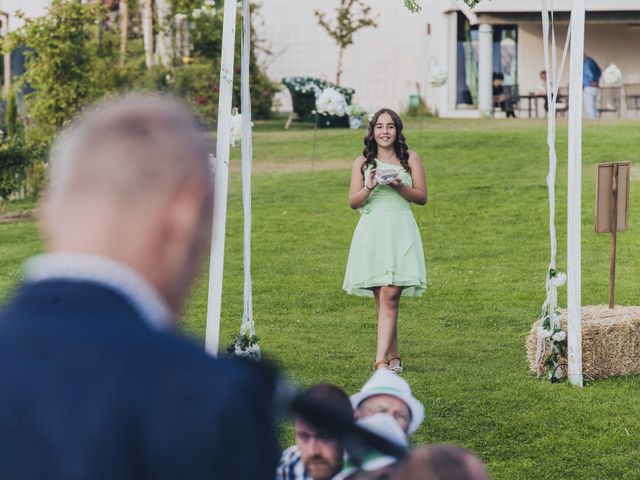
(441, 462)
(132, 146)
(130, 179)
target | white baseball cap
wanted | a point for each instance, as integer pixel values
(385, 382)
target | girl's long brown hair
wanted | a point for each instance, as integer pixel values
(399, 145)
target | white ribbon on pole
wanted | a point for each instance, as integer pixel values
(212, 338)
(554, 77)
(247, 327)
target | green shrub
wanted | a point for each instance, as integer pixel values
(36, 178)
(14, 162)
(198, 84)
(11, 115)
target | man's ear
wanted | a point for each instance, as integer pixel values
(43, 216)
(356, 414)
(186, 209)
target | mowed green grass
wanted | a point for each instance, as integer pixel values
(485, 234)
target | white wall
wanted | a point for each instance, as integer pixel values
(383, 65)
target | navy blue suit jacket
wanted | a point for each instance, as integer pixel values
(88, 390)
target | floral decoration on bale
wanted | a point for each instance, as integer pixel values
(550, 332)
(612, 75)
(304, 93)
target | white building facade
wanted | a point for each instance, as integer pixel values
(389, 63)
(397, 59)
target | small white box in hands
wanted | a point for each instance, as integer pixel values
(384, 177)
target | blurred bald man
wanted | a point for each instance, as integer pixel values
(94, 381)
(440, 462)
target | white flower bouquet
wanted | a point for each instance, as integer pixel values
(612, 75)
(331, 102)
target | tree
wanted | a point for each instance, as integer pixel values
(69, 64)
(413, 6)
(351, 16)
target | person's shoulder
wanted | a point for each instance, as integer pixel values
(359, 161)
(290, 466)
(290, 456)
(414, 156)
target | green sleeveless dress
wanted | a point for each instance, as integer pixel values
(386, 248)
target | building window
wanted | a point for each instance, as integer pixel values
(505, 61)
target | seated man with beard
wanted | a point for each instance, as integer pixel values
(317, 454)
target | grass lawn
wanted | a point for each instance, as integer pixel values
(485, 235)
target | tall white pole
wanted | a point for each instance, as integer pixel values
(485, 70)
(147, 31)
(7, 55)
(212, 338)
(574, 196)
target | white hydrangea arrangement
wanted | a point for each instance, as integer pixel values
(612, 75)
(331, 102)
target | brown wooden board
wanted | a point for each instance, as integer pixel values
(604, 196)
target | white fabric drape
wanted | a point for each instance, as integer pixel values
(216, 267)
(554, 78)
(247, 326)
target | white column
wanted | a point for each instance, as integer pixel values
(222, 179)
(164, 47)
(574, 196)
(146, 14)
(485, 70)
(7, 55)
(452, 66)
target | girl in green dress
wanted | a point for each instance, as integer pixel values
(386, 260)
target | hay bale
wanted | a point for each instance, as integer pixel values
(610, 342)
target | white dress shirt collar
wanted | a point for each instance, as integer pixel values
(108, 273)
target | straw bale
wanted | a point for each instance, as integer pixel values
(610, 342)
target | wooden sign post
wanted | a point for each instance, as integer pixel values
(612, 208)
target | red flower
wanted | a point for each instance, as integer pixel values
(202, 100)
